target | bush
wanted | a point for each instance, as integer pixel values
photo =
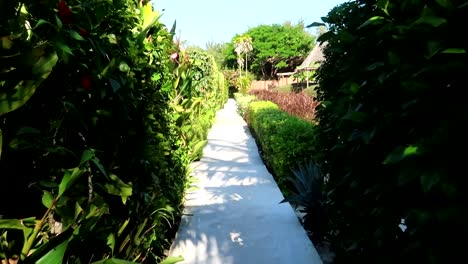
(243, 102)
(91, 134)
(298, 104)
(391, 88)
(285, 140)
(238, 83)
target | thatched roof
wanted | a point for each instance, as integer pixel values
(316, 55)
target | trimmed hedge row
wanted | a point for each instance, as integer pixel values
(286, 141)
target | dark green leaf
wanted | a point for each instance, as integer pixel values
(428, 181)
(99, 165)
(75, 35)
(58, 21)
(63, 47)
(115, 84)
(28, 130)
(41, 22)
(464, 5)
(316, 24)
(372, 21)
(432, 20)
(86, 156)
(444, 3)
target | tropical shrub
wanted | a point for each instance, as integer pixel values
(285, 140)
(243, 102)
(297, 104)
(391, 88)
(90, 136)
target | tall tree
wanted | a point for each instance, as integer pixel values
(275, 48)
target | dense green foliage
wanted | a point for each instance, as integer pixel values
(275, 48)
(98, 129)
(285, 140)
(392, 111)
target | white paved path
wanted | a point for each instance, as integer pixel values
(235, 217)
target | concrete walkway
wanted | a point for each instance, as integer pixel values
(234, 217)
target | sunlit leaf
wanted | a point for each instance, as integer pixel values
(69, 178)
(47, 199)
(118, 187)
(55, 256)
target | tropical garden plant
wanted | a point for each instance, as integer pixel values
(391, 92)
(90, 131)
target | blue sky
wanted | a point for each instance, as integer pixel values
(202, 21)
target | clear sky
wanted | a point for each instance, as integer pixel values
(202, 21)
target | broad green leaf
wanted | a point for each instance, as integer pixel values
(464, 5)
(45, 65)
(55, 256)
(372, 21)
(444, 3)
(69, 178)
(12, 224)
(28, 130)
(115, 84)
(63, 47)
(433, 47)
(47, 199)
(24, 90)
(86, 156)
(454, 51)
(41, 22)
(172, 260)
(119, 187)
(75, 35)
(432, 20)
(114, 261)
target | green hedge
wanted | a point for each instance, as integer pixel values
(392, 88)
(285, 140)
(95, 123)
